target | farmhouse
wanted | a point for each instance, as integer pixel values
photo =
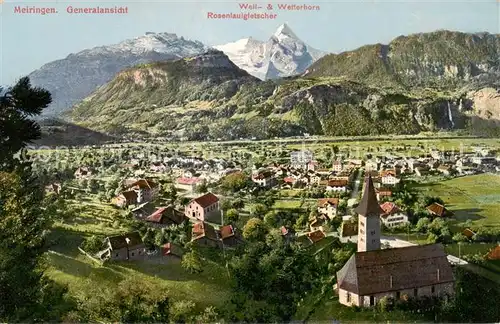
(393, 216)
(328, 207)
(205, 234)
(166, 216)
(171, 252)
(372, 274)
(204, 208)
(438, 210)
(230, 236)
(125, 247)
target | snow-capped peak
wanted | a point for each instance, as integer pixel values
(284, 54)
(285, 31)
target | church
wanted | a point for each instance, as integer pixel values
(373, 273)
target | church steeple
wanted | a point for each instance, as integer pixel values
(368, 219)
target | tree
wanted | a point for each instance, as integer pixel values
(234, 182)
(93, 244)
(17, 129)
(459, 237)
(271, 219)
(202, 187)
(191, 262)
(232, 215)
(23, 227)
(258, 210)
(254, 230)
(422, 224)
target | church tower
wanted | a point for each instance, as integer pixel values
(368, 219)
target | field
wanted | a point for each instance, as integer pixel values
(473, 197)
(82, 275)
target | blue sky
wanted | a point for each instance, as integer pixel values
(29, 41)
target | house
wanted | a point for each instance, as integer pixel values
(126, 198)
(468, 233)
(328, 207)
(166, 216)
(393, 216)
(337, 185)
(125, 247)
(337, 166)
(143, 210)
(317, 222)
(315, 236)
(438, 210)
(373, 273)
(172, 252)
(205, 234)
(146, 190)
(312, 165)
(188, 184)
(494, 254)
(204, 208)
(348, 232)
(83, 173)
(230, 236)
(263, 179)
(388, 177)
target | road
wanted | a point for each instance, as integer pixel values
(355, 190)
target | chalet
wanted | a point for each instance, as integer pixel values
(230, 236)
(53, 187)
(263, 179)
(328, 207)
(373, 273)
(171, 252)
(393, 216)
(438, 210)
(146, 190)
(204, 208)
(166, 216)
(468, 233)
(337, 185)
(205, 234)
(389, 178)
(125, 247)
(126, 198)
(83, 173)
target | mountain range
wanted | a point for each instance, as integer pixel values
(441, 80)
(283, 55)
(75, 77)
(362, 92)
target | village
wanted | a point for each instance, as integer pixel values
(179, 207)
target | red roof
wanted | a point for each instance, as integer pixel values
(188, 181)
(226, 231)
(337, 183)
(494, 254)
(439, 210)
(288, 180)
(143, 183)
(389, 208)
(171, 249)
(316, 236)
(330, 201)
(206, 200)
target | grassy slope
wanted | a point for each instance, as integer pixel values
(80, 273)
(473, 197)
